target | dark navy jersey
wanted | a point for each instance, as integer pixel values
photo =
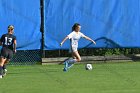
(8, 40)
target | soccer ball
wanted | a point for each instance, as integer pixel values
(88, 67)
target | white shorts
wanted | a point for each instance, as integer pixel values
(73, 49)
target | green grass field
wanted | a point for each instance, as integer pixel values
(104, 78)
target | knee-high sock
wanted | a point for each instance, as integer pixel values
(71, 61)
(1, 70)
(4, 66)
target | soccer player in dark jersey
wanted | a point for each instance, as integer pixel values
(8, 43)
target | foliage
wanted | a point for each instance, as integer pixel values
(94, 51)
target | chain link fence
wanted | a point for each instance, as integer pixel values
(26, 57)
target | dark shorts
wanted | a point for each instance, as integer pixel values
(6, 53)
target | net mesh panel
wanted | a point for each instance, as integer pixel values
(26, 57)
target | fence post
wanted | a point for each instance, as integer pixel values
(42, 28)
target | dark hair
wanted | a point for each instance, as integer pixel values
(74, 26)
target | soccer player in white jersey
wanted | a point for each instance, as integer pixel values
(74, 36)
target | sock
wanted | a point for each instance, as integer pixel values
(1, 70)
(4, 67)
(71, 61)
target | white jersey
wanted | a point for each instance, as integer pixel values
(74, 36)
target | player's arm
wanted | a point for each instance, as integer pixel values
(14, 46)
(64, 40)
(86, 37)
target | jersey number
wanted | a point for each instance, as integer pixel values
(8, 41)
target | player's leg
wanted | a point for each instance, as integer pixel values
(2, 60)
(66, 64)
(70, 64)
(66, 61)
(9, 56)
(71, 61)
(75, 55)
(5, 63)
(4, 66)
(76, 58)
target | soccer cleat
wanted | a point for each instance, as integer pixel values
(0, 76)
(65, 69)
(66, 66)
(4, 72)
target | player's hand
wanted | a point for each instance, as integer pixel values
(94, 42)
(61, 44)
